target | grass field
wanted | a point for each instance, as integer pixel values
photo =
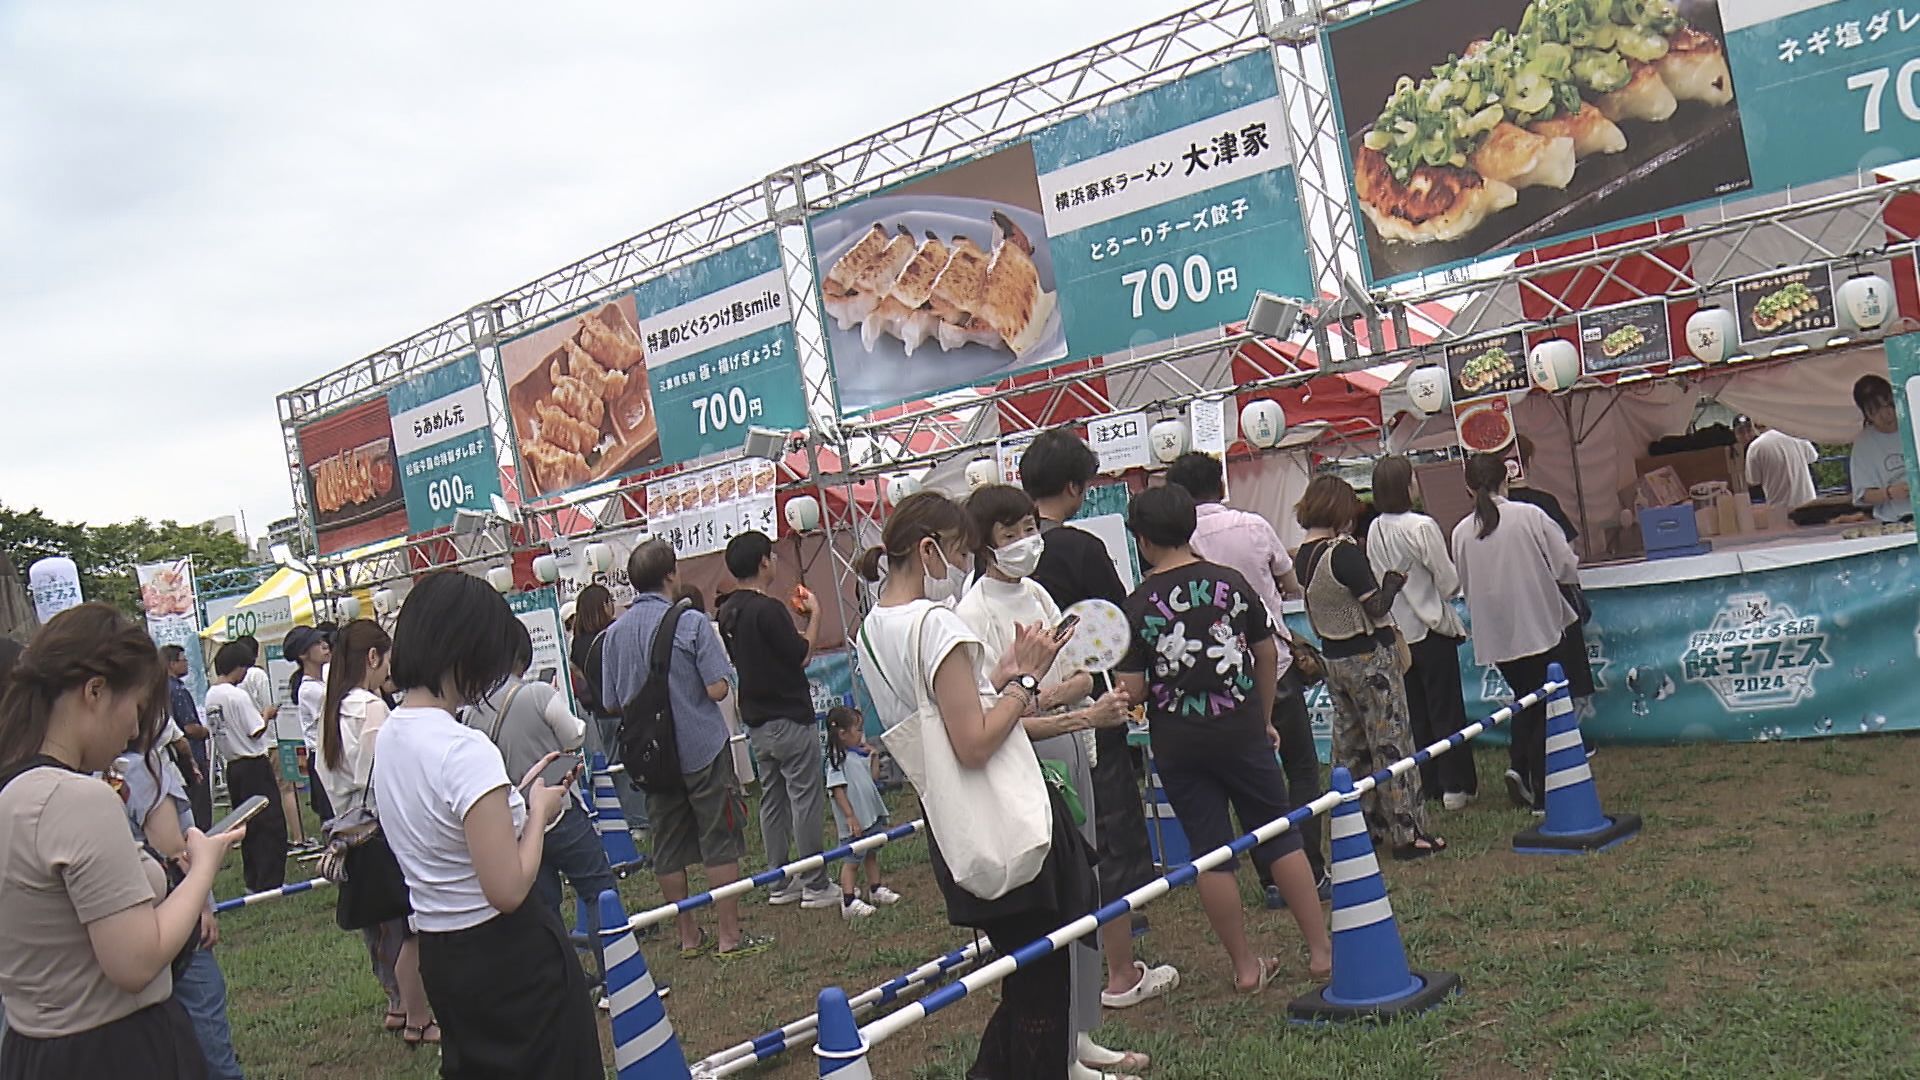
(1765, 924)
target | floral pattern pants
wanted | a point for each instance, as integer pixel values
(1370, 731)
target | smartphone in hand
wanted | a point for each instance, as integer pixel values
(240, 816)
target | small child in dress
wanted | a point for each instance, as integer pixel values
(857, 808)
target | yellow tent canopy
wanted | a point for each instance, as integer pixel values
(290, 584)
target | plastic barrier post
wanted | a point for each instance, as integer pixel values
(609, 820)
(841, 1049)
(1574, 824)
(1371, 979)
(644, 1045)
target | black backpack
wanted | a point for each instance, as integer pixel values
(647, 745)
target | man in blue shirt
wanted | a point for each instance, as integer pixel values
(186, 716)
(703, 821)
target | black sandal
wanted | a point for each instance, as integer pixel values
(1410, 852)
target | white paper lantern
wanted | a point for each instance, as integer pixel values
(1427, 388)
(1263, 422)
(1554, 364)
(346, 609)
(1711, 334)
(1168, 438)
(599, 558)
(901, 486)
(981, 472)
(546, 568)
(501, 578)
(55, 584)
(1866, 300)
(803, 513)
(384, 601)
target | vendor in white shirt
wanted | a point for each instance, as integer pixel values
(1777, 463)
(1878, 468)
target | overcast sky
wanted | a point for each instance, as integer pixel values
(202, 206)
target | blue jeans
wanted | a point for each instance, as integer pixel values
(202, 992)
(573, 848)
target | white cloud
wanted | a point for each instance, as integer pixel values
(201, 207)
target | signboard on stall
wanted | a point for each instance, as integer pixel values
(1784, 305)
(1148, 218)
(352, 481)
(1207, 425)
(1625, 337)
(1488, 367)
(1120, 442)
(1009, 451)
(539, 611)
(699, 512)
(1708, 99)
(444, 444)
(268, 619)
(718, 334)
(580, 400)
(173, 614)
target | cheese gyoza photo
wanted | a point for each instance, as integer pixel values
(1522, 107)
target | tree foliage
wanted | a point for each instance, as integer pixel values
(107, 554)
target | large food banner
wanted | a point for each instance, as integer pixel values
(577, 391)
(1473, 128)
(173, 613)
(1168, 209)
(718, 335)
(347, 462)
(444, 443)
(1152, 217)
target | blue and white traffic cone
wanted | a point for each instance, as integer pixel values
(1574, 824)
(644, 1045)
(841, 1050)
(610, 821)
(1371, 979)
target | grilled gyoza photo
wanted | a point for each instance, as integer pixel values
(1784, 305)
(1486, 370)
(1522, 108)
(1622, 341)
(948, 290)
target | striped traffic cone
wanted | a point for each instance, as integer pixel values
(1574, 824)
(610, 821)
(644, 1045)
(841, 1050)
(1371, 979)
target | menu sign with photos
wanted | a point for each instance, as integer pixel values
(1785, 304)
(700, 512)
(1625, 337)
(1484, 427)
(1488, 367)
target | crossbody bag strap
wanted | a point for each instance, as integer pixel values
(500, 716)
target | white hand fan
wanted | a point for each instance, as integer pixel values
(1100, 637)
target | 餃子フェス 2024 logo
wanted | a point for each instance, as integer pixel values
(1757, 654)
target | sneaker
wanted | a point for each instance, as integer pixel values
(819, 899)
(1517, 789)
(788, 893)
(856, 909)
(883, 896)
(1456, 800)
(1275, 902)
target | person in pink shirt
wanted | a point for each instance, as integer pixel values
(1248, 543)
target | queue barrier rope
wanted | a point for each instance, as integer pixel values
(1364, 930)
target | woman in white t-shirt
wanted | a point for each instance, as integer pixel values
(311, 650)
(1001, 601)
(351, 714)
(88, 927)
(925, 545)
(505, 985)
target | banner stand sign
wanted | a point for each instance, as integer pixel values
(173, 613)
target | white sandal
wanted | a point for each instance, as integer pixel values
(1153, 982)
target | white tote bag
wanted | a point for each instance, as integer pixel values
(994, 824)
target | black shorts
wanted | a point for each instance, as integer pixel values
(1244, 776)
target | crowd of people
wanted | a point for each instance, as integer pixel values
(446, 778)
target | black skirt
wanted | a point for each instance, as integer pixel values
(511, 1000)
(156, 1043)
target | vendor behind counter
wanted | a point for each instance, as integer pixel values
(1878, 467)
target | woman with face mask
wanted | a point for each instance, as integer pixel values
(1002, 600)
(923, 548)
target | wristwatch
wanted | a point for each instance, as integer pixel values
(1027, 683)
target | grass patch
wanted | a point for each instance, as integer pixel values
(1739, 936)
